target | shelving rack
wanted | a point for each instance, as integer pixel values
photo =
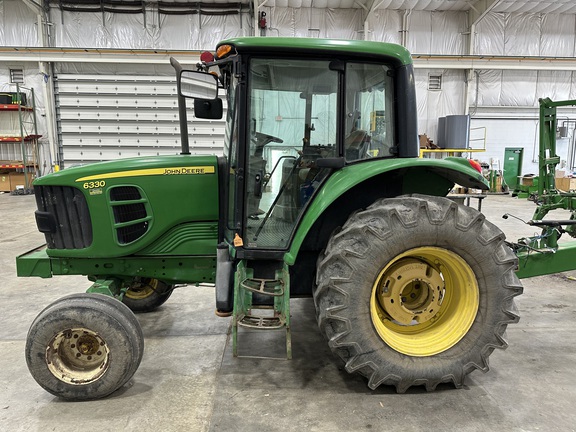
(477, 138)
(450, 152)
(19, 134)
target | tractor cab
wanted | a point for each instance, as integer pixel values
(295, 137)
(294, 117)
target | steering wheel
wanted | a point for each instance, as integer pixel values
(261, 139)
(264, 139)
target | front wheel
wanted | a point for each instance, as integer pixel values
(84, 346)
(416, 291)
(146, 294)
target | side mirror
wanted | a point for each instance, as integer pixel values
(208, 108)
(195, 84)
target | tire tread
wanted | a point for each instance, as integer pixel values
(336, 270)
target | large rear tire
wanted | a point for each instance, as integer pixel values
(84, 346)
(416, 291)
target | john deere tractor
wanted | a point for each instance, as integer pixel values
(319, 193)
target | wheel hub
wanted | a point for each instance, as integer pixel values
(412, 291)
(424, 301)
(77, 356)
(143, 289)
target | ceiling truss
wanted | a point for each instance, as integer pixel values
(63, 55)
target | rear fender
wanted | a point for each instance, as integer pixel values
(359, 185)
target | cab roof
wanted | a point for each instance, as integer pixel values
(354, 48)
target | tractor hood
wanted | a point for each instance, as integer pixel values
(144, 206)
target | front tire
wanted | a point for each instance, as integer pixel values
(147, 294)
(84, 346)
(416, 291)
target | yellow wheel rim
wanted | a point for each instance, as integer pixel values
(142, 290)
(424, 301)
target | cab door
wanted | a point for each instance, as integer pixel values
(292, 110)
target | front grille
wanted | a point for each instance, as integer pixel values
(129, 212)
(130, 233)
(131, 218)
(124, 193)
(66, 207)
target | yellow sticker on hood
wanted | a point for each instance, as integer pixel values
(186, 170)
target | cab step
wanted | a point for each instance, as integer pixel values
(261, 322)
(253, 316)
(271, 287)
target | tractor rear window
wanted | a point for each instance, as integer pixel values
(369, 121)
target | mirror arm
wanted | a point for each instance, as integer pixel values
(176, 65)
(181, 109)
(183, 125)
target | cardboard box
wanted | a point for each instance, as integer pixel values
(17, 180)
(457, 189)
(4, 182)
(565, 184)
(498, 184)
(526, 180)
(560, 173)
(472, 191)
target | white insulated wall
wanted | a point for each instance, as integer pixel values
(106, 117)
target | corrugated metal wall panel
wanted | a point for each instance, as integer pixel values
(104, 117)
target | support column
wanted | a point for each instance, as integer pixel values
(478, 11)
(45, 69)
(48, 92)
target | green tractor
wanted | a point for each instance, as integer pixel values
(320, 193)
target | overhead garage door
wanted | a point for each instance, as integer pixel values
(106, 117)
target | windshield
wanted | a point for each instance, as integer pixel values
(293, 120)
(230, 151)
(293, 111)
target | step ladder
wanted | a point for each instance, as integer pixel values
(274, 317)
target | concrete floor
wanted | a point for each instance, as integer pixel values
(189, 381)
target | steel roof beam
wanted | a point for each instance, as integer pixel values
(79, 55)
(34, 6)
(483, 62)
(479, 9)
(74, 55)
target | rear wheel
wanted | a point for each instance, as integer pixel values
(416, 291)
(84, 346)
(146, 294)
